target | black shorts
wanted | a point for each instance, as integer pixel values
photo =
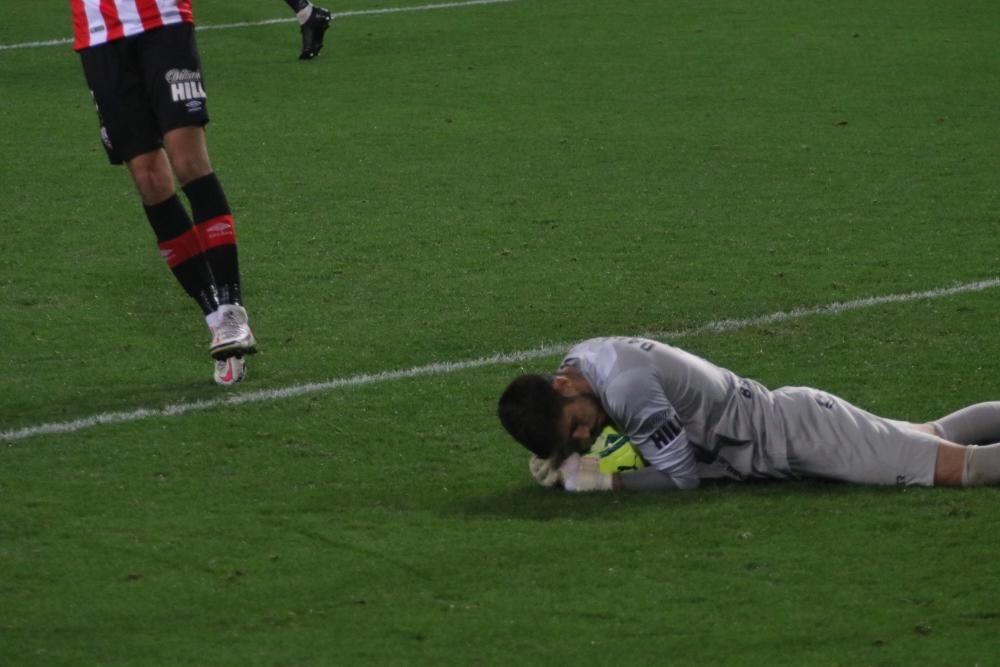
(144, 86)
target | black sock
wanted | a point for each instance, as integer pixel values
(297, 5)
(181, 250)
(213, 223)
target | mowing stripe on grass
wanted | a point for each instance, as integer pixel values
(254, 24)
(448, 367)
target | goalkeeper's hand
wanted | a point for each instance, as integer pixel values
(543, 471)
(583, 473)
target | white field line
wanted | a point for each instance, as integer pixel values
(254, 24)
(448, 367)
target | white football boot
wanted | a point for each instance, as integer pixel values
(231, 335)
(230, 371)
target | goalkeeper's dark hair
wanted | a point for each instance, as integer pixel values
(530, 409)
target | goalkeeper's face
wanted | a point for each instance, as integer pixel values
(583, 418)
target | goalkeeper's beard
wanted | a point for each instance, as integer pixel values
(579, 445)
(602, 421)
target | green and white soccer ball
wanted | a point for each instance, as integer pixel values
(615, 452)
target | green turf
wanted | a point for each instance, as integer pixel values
(444, 185)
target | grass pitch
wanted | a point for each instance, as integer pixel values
(444, 185)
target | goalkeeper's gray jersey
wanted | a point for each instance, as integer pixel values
(694, 420)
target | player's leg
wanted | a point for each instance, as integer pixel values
(181, 245)
(961, 465)
(949, 464)
(173, 70)
(232, 338)
(213, 224)
(188, 249)
(131, 135)
(973, 465)
(957, 462)
(213, 218)
(150, 171)
(831, 438)
(173, 228)
(979, 423)
(313, 23)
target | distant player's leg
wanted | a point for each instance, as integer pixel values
(313, 23)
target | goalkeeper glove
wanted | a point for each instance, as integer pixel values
(543, 471)
(583, 473)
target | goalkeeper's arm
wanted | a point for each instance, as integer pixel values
(582, 473)
(651, 479)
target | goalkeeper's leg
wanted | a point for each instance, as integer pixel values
(979, 423)
(982, 466)
(967, 465)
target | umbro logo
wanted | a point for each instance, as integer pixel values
(217, 232)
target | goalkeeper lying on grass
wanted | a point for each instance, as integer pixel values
(691, 420)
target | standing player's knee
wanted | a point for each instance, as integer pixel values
(188, 153)
(189, 167)
(152, 176)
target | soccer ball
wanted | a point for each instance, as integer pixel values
(615, 452)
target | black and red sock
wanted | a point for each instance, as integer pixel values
(297, 5)
(213, 224)
(181, 249)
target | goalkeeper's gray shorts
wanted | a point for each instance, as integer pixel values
(828, 437)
